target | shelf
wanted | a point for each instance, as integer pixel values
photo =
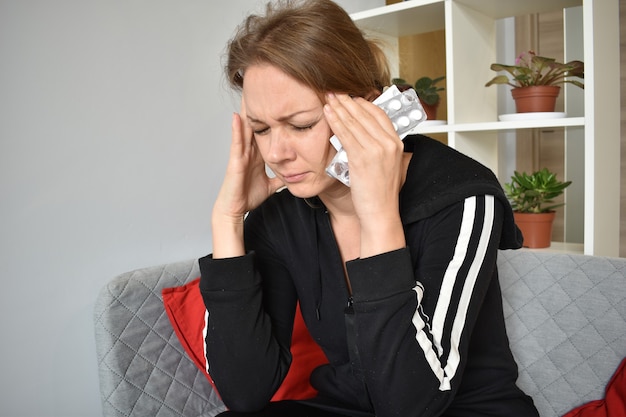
(420, 16)
(431, 129)
(525, 124)
(497, 126)
(403, 19)
(498, 9)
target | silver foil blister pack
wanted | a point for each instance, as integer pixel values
(405, 112)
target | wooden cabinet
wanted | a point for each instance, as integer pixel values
(473, 126)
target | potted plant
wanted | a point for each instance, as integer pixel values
(427, 91)
(532, 199)
(537, 75)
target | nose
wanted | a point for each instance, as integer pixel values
(279, 149)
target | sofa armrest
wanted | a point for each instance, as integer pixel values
(143, 369)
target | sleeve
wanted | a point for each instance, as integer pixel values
(250, 321)
(415, 308)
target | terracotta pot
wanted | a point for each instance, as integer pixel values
(431, 110)
(536, 228)
(538, 98)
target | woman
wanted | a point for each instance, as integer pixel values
(395, 275)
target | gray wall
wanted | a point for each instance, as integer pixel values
(114, 129)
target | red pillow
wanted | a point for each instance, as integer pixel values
(186, 311)
(614, 402)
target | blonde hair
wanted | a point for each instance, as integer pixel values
(315, 42)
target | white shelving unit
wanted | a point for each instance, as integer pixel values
(472, 126)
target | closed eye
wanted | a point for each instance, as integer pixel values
(261, 132)
(309, 126)
(264, 129)
(303, 128)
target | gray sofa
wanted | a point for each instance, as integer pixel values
(565, 314)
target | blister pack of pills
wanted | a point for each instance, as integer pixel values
(405, 111)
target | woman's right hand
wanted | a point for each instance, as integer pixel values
(245, 186)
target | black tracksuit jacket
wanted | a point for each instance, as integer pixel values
(422, 333)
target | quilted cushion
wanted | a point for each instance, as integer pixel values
(566, 320)
(144, 370)
(614, 402)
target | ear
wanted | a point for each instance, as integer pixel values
(371, 96)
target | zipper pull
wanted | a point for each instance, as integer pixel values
(350, 306)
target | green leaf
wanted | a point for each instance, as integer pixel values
(530, 193)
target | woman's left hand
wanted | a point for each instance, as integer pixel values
(377, 171)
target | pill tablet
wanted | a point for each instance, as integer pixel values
(403, 121)
(394, 105)
(415, 115)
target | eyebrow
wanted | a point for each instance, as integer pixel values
(284, 118)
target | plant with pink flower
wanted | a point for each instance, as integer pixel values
(531, 69)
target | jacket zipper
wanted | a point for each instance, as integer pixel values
(353, 351)
(355, 359)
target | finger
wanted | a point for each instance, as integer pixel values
(247, 133)
(242, 151)
(236, 146)
(368, 119)
(275, 184)
(372, 118)
(340, 121)
(376, 114)
(358, 121)
(244, 117)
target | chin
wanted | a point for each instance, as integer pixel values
(306, 189)
(314, 189)
(301, 192)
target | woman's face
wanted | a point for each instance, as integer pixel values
(289, 128)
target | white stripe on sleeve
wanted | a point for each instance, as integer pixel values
(204, 333)
(434, 353)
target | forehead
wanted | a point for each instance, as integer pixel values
(269, 92)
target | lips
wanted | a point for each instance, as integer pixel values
(293, 177)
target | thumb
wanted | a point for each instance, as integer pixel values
(275, 184)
